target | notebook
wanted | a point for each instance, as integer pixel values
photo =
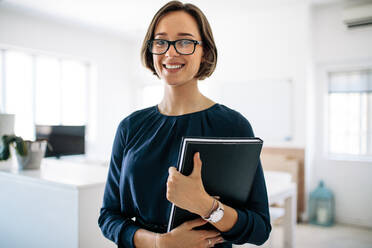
(228, 169)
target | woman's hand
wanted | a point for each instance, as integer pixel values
(185, 236)
(188, 192)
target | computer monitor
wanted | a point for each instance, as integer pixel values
(63, 140)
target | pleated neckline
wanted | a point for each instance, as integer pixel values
(185, 115)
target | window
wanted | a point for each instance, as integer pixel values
(42, 89)
(18, 90)
(48, 91)
(350, 113)
(2, 93)
(73, 92)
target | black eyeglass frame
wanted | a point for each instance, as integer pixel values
(169, 42)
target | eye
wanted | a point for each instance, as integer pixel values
(185, 43)
(160, 43)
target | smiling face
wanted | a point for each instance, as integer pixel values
(172, 67)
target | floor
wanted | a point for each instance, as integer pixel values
(338, 236)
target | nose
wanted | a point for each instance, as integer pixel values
(171, 52)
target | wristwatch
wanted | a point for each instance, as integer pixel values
(217, 214)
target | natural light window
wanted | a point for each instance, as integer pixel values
(350, 113)
(2, 99)
(44, 90)
(18, 91)
(74, 93)
(48, 91)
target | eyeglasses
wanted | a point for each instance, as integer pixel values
(183, 46)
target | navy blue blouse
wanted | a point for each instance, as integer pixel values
(146, 144)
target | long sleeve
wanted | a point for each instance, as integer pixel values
(253, 224)
(148, 141)
(116, 225)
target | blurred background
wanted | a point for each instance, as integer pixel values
(299, 70)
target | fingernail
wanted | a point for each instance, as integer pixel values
(198, 154)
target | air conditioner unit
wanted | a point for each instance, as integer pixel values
(357, 16)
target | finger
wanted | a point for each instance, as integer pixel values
(214, 241)
(210, 234)
(172, 170)
(209, 243)
(197, 164)
(195, 223)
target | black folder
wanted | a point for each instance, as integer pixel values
(228, 169)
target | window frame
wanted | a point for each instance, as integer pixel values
(325, 72)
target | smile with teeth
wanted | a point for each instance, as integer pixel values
(173, 66)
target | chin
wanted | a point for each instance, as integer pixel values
(173, 81)
(176, 81)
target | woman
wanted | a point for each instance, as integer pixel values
(142, 180)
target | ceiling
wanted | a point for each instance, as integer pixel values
(127, 17)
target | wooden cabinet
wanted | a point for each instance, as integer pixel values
(288, 160)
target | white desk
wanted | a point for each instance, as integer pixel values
(286, 191)
(280, 189)
(56, 206)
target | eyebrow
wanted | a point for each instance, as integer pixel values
(179, 34)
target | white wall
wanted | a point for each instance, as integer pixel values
(336, 47)
(268, 44)
(111, 91)
(255, 45)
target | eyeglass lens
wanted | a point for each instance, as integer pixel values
(182, 46)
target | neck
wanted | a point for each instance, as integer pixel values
(183, 99)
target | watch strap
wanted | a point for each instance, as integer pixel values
(210, 211)
(212, 217)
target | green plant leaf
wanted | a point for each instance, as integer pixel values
(4, 152)
(7, 140)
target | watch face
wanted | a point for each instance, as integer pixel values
(217, 215)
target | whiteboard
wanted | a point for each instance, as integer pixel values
(267, 104)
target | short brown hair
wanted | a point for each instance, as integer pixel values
(209, 60)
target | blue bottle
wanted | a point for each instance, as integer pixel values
(321, 206)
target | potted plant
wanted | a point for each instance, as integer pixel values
(29, 153)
